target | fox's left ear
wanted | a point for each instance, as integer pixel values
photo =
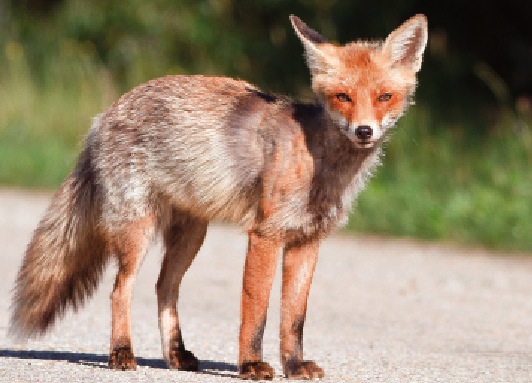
(405, 45)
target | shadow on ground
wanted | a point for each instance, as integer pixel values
(207, 367)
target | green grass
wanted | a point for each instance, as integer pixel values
(42, 122)
(436, 183)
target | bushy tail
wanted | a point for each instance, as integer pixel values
(65, 258)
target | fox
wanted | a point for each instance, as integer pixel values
(179, 151)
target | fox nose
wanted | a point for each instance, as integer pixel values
(363, 132)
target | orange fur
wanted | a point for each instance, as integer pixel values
(259, 270)
(299, 263)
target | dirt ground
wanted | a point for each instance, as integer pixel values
(380, 310)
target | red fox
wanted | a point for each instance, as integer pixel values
(178, 151)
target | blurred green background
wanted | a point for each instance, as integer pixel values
(458, 167)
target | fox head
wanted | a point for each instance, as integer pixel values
(365, 86)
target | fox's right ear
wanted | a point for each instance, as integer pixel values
(319, 58)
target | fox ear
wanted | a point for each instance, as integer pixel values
(319, 60)
(406, 44)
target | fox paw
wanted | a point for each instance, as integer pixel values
(183, 360)
(122, 358)
(256, 371)
(303, 370)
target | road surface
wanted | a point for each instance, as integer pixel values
(380, 310)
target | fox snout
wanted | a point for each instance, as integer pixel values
(364, 135)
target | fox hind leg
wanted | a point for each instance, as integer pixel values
(129, 246)
(183, 238)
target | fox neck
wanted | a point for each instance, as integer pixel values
(346, 159)
(341, 168)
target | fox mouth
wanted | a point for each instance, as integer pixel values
(358, 142)
(364, 144)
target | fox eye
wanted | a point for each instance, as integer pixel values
(384, 97)
(343, 97)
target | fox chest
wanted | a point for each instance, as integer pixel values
(301, 199)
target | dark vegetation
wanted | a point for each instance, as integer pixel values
(458, 167)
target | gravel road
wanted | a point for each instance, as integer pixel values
(380, 310)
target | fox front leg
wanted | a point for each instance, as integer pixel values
(299, 263)
(259, 270)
